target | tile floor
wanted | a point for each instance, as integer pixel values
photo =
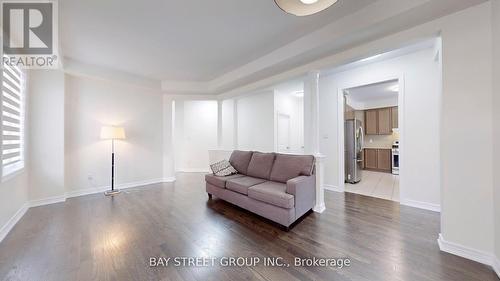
(376, 184)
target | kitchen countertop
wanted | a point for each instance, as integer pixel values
(377, 147)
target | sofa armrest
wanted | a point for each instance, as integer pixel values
(303, 188)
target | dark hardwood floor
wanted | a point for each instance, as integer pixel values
(101, 238)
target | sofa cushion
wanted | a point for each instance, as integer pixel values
(242, 184)
(240, 160)
(223, 168)
(261, 164)
(287, 167)
(220, 181)
(273, 193)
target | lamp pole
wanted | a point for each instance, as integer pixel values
(113, 191)
(112, 133)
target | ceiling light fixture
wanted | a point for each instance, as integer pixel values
(304, 7)
(308, 1)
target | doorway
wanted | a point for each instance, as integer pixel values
(283, 133)
(289, 117)
(371, 137)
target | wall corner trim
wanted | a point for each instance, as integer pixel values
(468, 253)
(421, 205)
(7, 227)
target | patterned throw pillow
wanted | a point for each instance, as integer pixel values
(223, 169)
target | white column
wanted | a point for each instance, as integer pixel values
(311, 133)
(168, 141)
(235, 123)
(219, 124)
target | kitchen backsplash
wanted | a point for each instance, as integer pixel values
(382, 141)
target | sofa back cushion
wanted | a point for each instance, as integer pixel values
(261, 164)
(287, 167)
(240, 160)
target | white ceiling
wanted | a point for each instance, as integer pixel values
(383, 90)
(187, 40)
(222, 46)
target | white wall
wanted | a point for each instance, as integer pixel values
(195, 133)
(419, 155)
(46, 111)
(496, 120)
(91, 104)
(466, 138)
(286, 102)
(256, 122)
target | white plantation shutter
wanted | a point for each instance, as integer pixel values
(12, 120)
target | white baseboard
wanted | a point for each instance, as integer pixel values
(9, 225)
(47, 201)
(334, 188)
(319, 209)
(94, 190)
(421, 205)
(85, 191)
(496, 266)
(193, 170)
(468, 253)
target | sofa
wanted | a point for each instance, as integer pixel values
(279, 187)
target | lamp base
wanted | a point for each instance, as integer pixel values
(112, 192)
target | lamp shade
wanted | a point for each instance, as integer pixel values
(304, 7)
(112, 133)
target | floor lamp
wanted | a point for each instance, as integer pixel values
(112, 133)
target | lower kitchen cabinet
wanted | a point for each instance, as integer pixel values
(378, 159)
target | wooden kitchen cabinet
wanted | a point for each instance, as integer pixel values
(378, 159)
(380, 121)
(384, 160)
(371, 122)
(371, 159)
(395, 117)
(384, 121)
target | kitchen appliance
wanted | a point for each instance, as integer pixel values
(354, 138)
(395, 158)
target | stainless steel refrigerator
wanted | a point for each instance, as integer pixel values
(354, 137)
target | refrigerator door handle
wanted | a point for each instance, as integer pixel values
(362, 139)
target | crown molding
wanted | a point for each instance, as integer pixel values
(187, 87)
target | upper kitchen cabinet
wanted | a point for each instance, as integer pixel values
(371, 126)
(384, 121)
(381, 121)
(395, 117)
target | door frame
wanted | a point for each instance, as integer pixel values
(340, 119)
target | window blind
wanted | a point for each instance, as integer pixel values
(12, 120)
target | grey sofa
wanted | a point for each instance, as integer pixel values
(279, 187)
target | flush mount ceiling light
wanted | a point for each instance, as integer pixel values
(304, 7)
